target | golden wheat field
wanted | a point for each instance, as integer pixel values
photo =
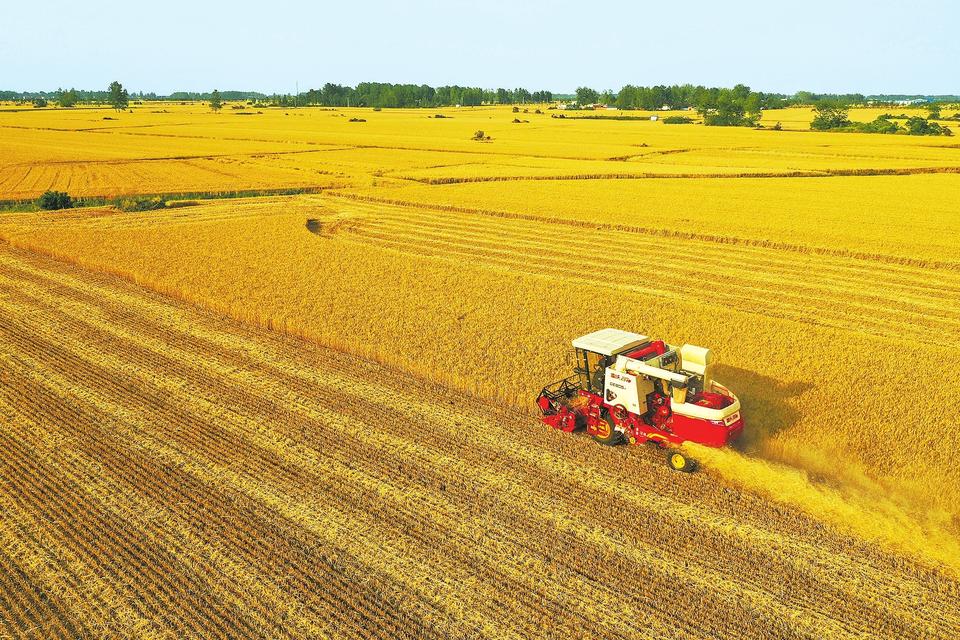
(311, 414)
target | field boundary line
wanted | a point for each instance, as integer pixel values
(255, 155)
(229, 194)
(813, 173)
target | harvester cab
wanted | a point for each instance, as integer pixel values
(626, 386)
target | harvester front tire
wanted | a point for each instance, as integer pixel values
(609, 436)
(679, 461)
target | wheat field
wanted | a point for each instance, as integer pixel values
(356, 392)
(168, 473)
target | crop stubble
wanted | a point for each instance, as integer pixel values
(167, 472)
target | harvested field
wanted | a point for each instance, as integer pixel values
(170, 473)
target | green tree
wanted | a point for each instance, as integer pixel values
(387, 98)
(917, 126)
(882, 124)
(542, 96)
(119, 98)
(740, 93)
(54, 200)
(67, 98)
(934, 109)
(586, 95)
(215, 102)
(753, 104)
(728, 108)
(471, 97)
(829, 116)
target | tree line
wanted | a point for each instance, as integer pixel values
(832, 116)
(365, 94)
(739, 106)
(71, 97)
(230, 96)
(389, 95)
(726, 104)
(682, 97)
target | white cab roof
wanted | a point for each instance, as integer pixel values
(608, 342)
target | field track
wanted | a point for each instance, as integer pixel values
(165, 472)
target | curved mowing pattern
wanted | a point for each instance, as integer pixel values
(167, 473)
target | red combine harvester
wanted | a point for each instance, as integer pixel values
(628, 387)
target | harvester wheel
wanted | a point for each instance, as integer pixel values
(679, 461)
(606, 434)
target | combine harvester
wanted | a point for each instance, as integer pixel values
(628, 387)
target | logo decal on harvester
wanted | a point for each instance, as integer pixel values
(611, 396)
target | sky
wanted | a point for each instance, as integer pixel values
(274, 46)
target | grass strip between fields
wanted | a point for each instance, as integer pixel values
(28, 205)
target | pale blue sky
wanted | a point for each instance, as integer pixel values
(270, 45)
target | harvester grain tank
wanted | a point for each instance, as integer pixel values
(628, 387)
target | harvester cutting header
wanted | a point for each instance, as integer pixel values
(627, 386)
